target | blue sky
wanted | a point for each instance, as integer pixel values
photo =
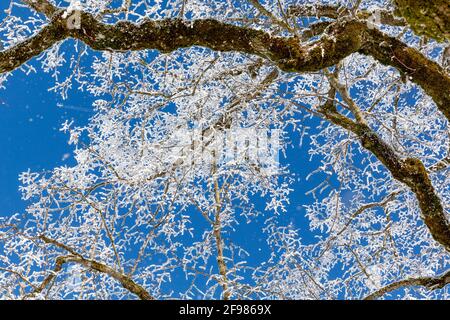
(29, 129)
(30, 118)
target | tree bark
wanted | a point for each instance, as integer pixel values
(342, 39)
(431, 283)
(427, 17)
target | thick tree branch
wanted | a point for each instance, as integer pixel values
(431, 283)
(433, 79)
(17, 55)
(334, 12)
(410, 171)
(171, 34)
(427, 17)
(341, 39)
(42, 6)
(92, 265)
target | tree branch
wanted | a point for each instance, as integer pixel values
(92, 265)
(270, 15)
(410, 171)
(334, 12)
(426, 17)
(341, 39)
(42, 6)
(429, 75)
(431, 283)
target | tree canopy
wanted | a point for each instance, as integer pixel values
(197, 102)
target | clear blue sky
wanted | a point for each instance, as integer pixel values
(30, 118)
(29, 129)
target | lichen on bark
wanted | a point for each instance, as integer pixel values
(427, 17)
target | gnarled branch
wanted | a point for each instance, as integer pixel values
(410, 171)
(427, 17)
(42, 6)
(341, 39)
(92, 265)
(431, 283)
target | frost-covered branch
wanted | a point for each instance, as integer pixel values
(342, 39)
(90, 264)
(334, 12)
(426, 17)
(188, 164)
(431, 283)
(409, 171)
